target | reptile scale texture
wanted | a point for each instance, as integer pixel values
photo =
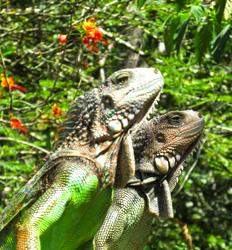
(161, 145)
(65, 202)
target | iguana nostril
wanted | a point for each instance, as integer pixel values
(156, 71)
(199, 114)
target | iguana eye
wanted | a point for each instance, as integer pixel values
(175, 119)
(122, 79)
(160, 138)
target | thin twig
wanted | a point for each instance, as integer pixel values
(119, 40)
(24, 142)
(187, 235)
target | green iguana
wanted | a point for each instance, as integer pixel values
(160, 145)
(65, 202)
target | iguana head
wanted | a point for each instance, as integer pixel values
(126, 97)
(161, 146)
(121, 102)
(101, 117)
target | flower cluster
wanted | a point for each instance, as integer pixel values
(5, 81)
(56, 111)
(93, 34)
(15, 123)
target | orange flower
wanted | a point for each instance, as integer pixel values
(86, 64)
(6, 80)
(9, 80)
(63, 38)
(15, 123)
(93, 34)
(56, 111)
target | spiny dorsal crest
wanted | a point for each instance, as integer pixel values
(78, 119)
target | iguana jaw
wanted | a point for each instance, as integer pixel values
(175, 172)
(145, 112)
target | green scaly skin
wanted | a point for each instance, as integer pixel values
(64, 204)
(160, 145)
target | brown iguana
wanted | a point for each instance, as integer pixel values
(64, 204)
(161, 145)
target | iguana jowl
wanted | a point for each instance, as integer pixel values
(161, 145)
(64, 204)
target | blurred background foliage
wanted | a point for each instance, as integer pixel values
(188, 41)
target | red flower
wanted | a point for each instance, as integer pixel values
(9, 80)
(15, 123)
(93, 34)
(63, 38)
(56, 111)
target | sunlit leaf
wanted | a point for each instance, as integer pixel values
(228, 10)
(223, 9)
(198, 12)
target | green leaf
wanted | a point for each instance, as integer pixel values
(219, 42)
(220, 6)
(223, 9)
(202, 41)
(140, 3)
(198, 12)
(46, 83)
(10, 51)
(171, 25)
(227, 10)
(181, 30)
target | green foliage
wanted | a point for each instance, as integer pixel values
(196, 65)
(219, 42)
(169, 34)
(140, 3)
(202, 41)
(198, 12)
(223, 9)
